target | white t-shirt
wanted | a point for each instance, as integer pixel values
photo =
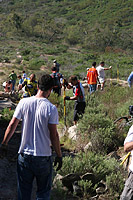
(36, 114)
(129, 138)
(101, 73)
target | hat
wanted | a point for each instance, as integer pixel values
(54, 61)
(87, 68)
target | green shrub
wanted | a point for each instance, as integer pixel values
(35, 64)
(107, 169)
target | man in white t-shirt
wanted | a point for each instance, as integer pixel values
(39, 131)
(101, 74)
(127, 193)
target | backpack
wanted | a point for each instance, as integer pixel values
(56, 79)
(131, 110)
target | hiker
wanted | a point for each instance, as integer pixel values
(92, 77)
(20, 80)
(24, 75)
(30, 85)
(78, 97)
(57, 77)
(128, 146)
(101, 74)
(39, 131)
(130, 80)
(13, 78)
(7, 86)
(57, 65)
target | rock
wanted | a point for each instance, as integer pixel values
(102, 187)
(77, 189)
(57, 177)
(69, 179)
(72, 132)
(113, 155)
(94, 198)
(100, 190)
(89, 177)
(87, 146)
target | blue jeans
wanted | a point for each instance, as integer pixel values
(13, 84)
(93, 88)
(30, 167)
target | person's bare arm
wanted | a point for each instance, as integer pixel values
(10, 130)
(74, 98)
(128, 146)
(108, 68)
(55, 139)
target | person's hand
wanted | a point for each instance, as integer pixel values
(58, 160)
(67, 98)
(3, 150)
(65, 82)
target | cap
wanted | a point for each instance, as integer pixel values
(87, 68)
(54, 61)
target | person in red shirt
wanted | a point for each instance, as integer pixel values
(92, 77)
(78, 97)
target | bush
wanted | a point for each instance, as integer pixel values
(102, 167)
(35, 64)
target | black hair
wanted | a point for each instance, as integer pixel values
(101, 62)
(53, 68)
(94, 64)
(73, 78)
(45, 82)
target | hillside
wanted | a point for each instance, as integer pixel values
(75, 32)
(86, 22)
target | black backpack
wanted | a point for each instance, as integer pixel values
(131, 110)
(56, 79)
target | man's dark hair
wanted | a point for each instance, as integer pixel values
(94, 64)
(45, 82)
(73, 78)
(101, 62)
(53, 68)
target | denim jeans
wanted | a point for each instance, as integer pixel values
(93, 88)
(30, 167)
(13, 84)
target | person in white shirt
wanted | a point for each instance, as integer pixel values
(101, 74)
(127, 193)
(39, 119)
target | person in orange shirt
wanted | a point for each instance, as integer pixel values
(92, 77)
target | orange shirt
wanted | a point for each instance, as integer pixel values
(92, 76)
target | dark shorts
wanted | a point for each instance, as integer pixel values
(79, 108)
(127, 193)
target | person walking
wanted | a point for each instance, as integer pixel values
(127, 193)
(13, 78)
(58, 80)
(30, 85)
(130, 80)
(101, 74)
(39, 117)
(92, 77)
(78, 97)
(57, 65)
(7, 86)
(24, 75)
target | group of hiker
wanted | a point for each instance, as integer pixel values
(39, 125)
(96, 76)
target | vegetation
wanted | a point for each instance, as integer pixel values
(76, 33)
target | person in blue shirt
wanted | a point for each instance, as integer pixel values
(20, 79)
(130, 80)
